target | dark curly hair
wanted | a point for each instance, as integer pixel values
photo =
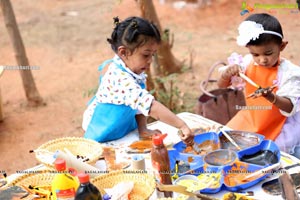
(132, 33)
(269, 23)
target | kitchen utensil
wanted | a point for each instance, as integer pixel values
(193, 144)
(246, 78)
(230, 139)
(262, 171)
(181, 189)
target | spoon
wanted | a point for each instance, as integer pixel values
(193, 144)
(246, 78)
(183, 190)
(262, 171)
(230, 139)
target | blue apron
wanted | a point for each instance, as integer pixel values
(111, 121)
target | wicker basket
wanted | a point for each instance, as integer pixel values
(34, 178)
(78, 146)
(144, 184)
(40, 177)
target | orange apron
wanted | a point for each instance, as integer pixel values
(259, 116)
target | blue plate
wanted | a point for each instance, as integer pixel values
(252, 145)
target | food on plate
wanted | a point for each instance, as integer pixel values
(210, 180)
(235, 196)
(206, 147)
(141, 146)
(191, 185)
(237, 174)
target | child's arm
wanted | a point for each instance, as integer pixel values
(282, 103)
(144, 132)
(160, 112)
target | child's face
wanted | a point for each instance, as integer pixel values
(266, 55)
(140, 60)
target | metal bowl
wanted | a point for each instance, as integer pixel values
(221, 157)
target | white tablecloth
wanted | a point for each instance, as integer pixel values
(193, 121)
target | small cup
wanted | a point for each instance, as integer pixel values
(138, 162)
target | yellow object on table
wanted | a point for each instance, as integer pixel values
(210, 180)
(31, 180)
(236, 196)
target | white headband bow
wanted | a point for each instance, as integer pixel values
(249, 30)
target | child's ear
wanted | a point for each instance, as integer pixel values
(122, 51)
(283, 45)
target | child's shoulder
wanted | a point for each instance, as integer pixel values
(286, 64)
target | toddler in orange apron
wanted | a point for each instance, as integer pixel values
(271, 111)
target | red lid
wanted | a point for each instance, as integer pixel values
(60, 164)
(83, 177)
(157, 139)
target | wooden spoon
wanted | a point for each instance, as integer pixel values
(181, 189)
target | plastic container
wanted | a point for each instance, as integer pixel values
(86, 189)
(226, 167)
(64, 185)
(161, 162)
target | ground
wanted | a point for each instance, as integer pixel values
(66, 40)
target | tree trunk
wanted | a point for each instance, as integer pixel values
(167, 62)
(32, 94)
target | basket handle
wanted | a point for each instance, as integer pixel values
(204, 83)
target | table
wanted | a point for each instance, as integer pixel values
(193, 121)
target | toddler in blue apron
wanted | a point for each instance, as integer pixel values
(122, 103)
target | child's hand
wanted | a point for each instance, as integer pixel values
(230, 71)
(265, 92)
(148, 133)
(186, 135)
